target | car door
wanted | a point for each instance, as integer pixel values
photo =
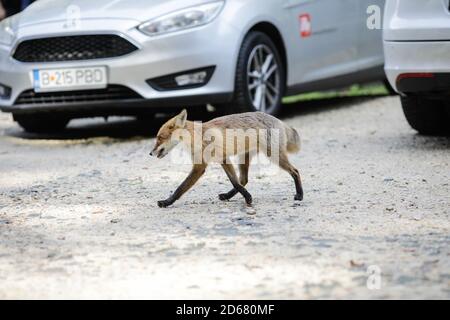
(324, 37)
(370, 48)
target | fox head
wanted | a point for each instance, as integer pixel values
(166, 140)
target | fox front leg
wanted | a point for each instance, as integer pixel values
(229, 170)
(196, 173)
(243, 177)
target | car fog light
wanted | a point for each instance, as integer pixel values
(191, 79)
(5, 92)
(183, 80)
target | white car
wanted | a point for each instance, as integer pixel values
(417, 54)
(65, 59)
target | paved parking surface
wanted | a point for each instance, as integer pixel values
(78, 214)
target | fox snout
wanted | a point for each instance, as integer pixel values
(165, 140)
(158, 152)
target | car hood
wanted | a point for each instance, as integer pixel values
(44, 11)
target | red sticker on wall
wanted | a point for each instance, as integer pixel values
(305, 25)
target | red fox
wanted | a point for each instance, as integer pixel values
(180, 130)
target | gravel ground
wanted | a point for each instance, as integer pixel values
(78, 214)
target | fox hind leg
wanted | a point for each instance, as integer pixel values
(288, 167)
(231, 173)
(244, 165)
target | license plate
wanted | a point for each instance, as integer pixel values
(69, 79)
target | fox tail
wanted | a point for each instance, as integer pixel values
(293, 140)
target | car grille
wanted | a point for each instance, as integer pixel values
(112, 93)
(71, 48)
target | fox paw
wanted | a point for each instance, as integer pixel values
(164, 203)
(298, 197)
(223, 197)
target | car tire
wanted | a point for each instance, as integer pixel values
(427, 116)
(145, 118)
(37, 123)
(199, 113)
(389, 88)
(268, 78)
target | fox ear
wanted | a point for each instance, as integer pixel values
(181, 119)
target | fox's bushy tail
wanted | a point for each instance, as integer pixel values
(293, 140)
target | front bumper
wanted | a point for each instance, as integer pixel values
(215, 44)
(420, 58)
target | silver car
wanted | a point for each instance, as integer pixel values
(65, 59)
(417, 45)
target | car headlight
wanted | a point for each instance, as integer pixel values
(183, 19)
(7, 30)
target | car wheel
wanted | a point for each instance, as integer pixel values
(199, 113)
(389, 88)
(145, 118)
(427, 116)
(37, 123)
(260, 76)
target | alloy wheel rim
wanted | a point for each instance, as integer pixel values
(263, 79)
